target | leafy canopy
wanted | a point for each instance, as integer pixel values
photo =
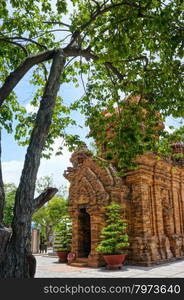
(114, 49)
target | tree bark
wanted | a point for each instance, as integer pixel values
(2, 194)
(14, 77)
(43, 198)
(15, 264)
(4, 233)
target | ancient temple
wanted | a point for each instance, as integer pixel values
(151, 198)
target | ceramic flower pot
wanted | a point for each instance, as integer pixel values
(62, 256)
(114, 261)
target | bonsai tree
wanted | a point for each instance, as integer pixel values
(63, 235)
(114, 237)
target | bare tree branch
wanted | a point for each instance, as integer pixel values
(14, 77)
(67, 36)
(43, 198)
(29, 62)
(44, 71)
(14, 43)
(8, 39)
(89, 55)
(141, 57)
(57, 23)
(66, 65)
(49, 31)
(97, 4)
(82, 76)
(98, 13)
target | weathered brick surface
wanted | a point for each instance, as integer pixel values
(152, 200)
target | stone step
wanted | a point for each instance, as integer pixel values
(79, 265)
(82, 259)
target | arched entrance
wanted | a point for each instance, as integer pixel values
(84, 233)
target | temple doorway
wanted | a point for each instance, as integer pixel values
(84, 233)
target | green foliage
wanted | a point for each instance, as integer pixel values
(61, 6)
(125, 132)
(10, 190)
(19, 40)
(63, 235)
(41, 218)
(50, 214)
(57, 207)
(134, 48)
(114, 237)
(10, 111)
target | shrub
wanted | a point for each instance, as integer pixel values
(114, 237)
(63, 235)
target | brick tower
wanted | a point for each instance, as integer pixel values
(151, 198)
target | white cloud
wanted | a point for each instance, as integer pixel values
(30, 108)
(12, 171)
(168, 129)
(54, 167)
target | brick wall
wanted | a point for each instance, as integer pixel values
(152, 200)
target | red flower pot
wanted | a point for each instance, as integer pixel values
(114, 261)
(62, 256)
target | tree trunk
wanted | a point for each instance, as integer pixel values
(2, 194)
(14, 77)
(15, 264)
(4, 233)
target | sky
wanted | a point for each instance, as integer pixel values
(13, 155)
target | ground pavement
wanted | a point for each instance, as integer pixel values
(48, 267)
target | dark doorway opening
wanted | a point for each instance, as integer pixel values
(84, 234)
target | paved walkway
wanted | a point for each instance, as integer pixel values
(48, 267)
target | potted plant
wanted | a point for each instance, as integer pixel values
(114, 238)
(63, 237)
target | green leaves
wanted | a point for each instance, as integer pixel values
(10, 190)
(63, 235)
(49, 215)
(61, 6)
(113, 236)
(137, 49)
(10, 111)
(3, 9)
(126, 131)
